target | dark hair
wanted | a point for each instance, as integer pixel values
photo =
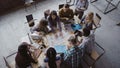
(43, 23)
(51, 55)
(66, 6)
(77, 34)
(86, 32)
(53, 13)
(23, 49)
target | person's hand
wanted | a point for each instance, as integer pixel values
(56, 36)
(83, 8)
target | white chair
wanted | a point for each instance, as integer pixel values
(97, 20)
(29, 3)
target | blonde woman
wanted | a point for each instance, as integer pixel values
(89, 22)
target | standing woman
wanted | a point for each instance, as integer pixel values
(54, 22)
(51, 60)
(80, 7)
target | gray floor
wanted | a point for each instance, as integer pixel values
(13, 28)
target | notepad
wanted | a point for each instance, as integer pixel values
(60, 48)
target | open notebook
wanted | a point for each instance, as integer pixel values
(60, 48)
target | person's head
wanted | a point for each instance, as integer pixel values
(51, 55)
(53, 14)
(23, 48)
(90, 16)
(43, 23)
(86, 32)
(72, 40)
(66, 7)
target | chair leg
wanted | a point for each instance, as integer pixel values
(35, 6)
(118, 24)
(6, 62)
(90, 66)
(92, 1)
(25, 8)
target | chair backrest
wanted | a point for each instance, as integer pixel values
(97, 20)
(30, 20)
(61, 6)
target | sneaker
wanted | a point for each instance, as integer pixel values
(118, 24)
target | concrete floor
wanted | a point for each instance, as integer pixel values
(13, 28)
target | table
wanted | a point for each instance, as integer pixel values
(50, 41)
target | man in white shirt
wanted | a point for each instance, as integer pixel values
(87, 42)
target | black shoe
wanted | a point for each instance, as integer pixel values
(118, 24)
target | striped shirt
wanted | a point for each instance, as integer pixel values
(73, 56)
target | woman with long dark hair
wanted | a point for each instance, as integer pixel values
(51, 60)
(23, 58)
(54, 22)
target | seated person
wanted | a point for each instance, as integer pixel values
(89, 21)
(87, 41)
(54, 22)
(66, 14)
(51, 60)
(24, 58)
(42, 27)
(73, 55)
(80, 7)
